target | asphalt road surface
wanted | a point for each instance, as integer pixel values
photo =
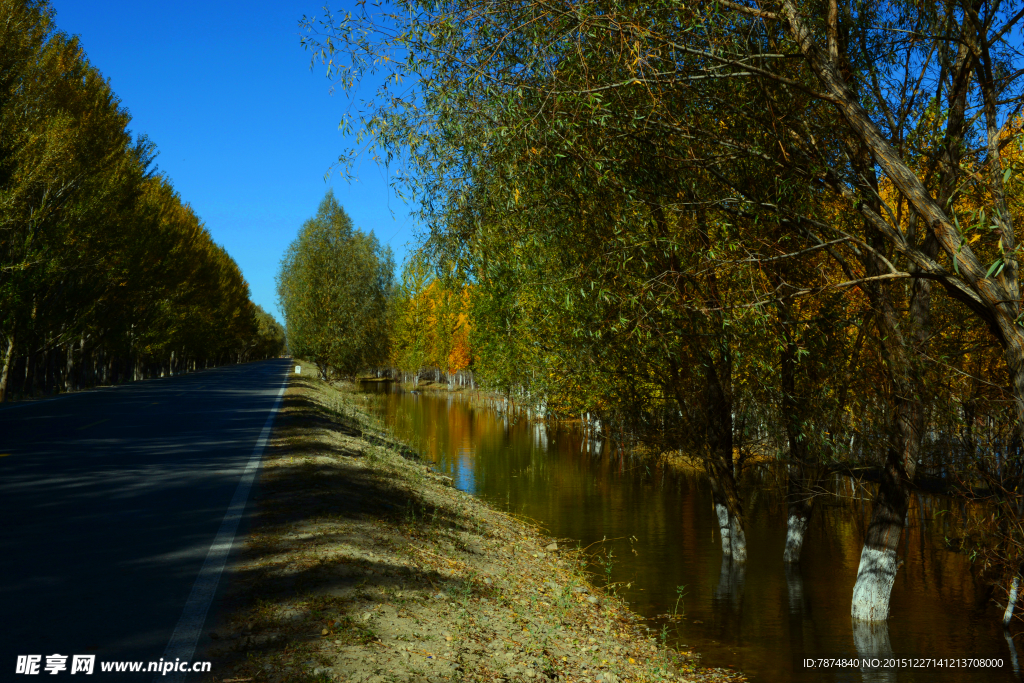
(111, 501)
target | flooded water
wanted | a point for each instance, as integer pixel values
(654, 532)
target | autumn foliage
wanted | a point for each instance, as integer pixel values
(430, 322)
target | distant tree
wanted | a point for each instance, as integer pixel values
(270, 337)
(334, 284)
(409, 316)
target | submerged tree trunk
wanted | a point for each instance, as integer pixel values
(800, 502)
(1011, 601)
(721, 464)
(794, 412)
(724, 527)
(728, 509)
(878, 560)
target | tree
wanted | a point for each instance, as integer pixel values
(699, 143)
(270, 340)
(105, 273)
(334, 284)
(409, 316)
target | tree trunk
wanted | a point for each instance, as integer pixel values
(6, 370)
(800, 502)
(69, 366)
(728, 509)
(724, 527)
(878, 560)
(82, 379)
(794, 414)
(1013, 353)
(1011, 601)
(720, 462)
(26, 382)
(50, 373)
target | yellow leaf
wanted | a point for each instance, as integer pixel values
(974, 239)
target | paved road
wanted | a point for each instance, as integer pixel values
(110, 501)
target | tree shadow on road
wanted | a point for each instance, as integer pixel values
(328, 540)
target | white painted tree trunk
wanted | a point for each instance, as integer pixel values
(725, 529)
(875, 577)
(795, 538)
(1011, 601)
(734, 541)
(739, 542)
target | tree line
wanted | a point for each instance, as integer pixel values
(430, 326)
(106, 274)
(738, 229)
(345, 310)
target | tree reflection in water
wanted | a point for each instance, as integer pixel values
(871, 640)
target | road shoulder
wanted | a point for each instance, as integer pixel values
(361, 563)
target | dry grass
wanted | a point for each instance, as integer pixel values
(363, 564)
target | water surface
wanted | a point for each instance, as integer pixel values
(654, 533)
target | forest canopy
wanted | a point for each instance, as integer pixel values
(106, 273)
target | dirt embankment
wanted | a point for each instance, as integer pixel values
(365, 565)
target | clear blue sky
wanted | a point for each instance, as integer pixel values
(246, 132)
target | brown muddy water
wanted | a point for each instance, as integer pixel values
(653, 532)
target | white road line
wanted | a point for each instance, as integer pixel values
(182, 645)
